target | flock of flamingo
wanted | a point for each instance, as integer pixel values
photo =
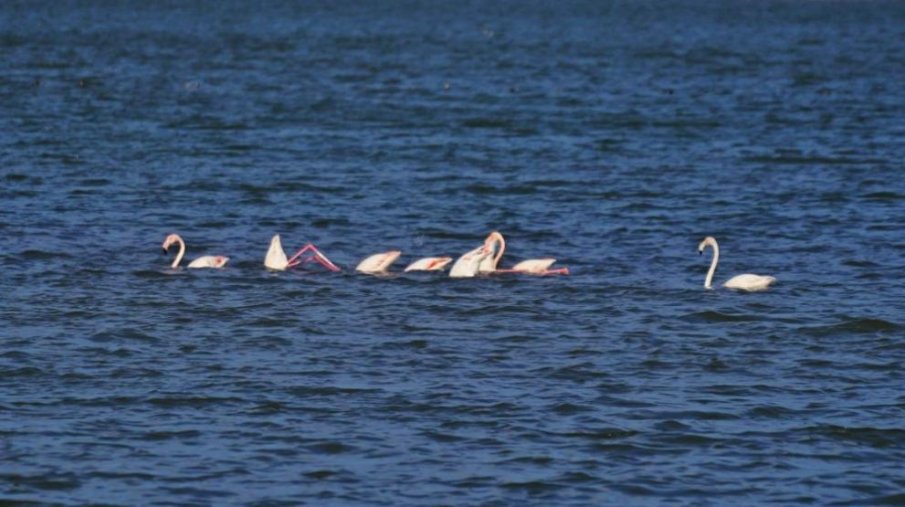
(483, 260)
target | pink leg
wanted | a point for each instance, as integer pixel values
(298, 254)
(316, 256)
(323, 260)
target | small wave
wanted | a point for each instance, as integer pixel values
(95, 182)
(770, 412)
(874, 437)
(714, 316)
(474, 481)
(536, 487)
(577, 478)
(577, 372)
(531, 460)
(16, 177)
(330, 448)
(100, 474)
(416, 344)
(894, 499)
(192, 401)
(853, 326)
(884, 196)
(26, 371)
(797, 159)
(51, 482)
(321, 474)
(569, 408)
(306, 391)
(600, 434)
(170, 435)
(41, 255)
(18, 355)
(483, 189)
(442, 437)
(487, 123)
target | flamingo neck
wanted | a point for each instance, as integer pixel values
(493, 260)
(499, 254)
(181, 253)
(713, 263)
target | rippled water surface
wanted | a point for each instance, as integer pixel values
(612, 135)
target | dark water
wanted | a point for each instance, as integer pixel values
(613, 135)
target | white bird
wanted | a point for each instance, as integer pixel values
(469, 264)
(206, 261)
(747, 281)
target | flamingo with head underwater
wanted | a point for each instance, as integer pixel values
(205, 261)
(379, 263)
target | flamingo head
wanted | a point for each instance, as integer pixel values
(495, 241)
(172, 238)
(494, 246)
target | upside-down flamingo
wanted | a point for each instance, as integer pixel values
(379, 263)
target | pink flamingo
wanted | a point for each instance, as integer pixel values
(469, 264)
(205, 261)
(379, 263)
(276, 257)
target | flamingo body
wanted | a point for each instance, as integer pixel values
(209, 261)
(469, 264)
(534, 266)
(378, 263)
(749, 282)
(429, 264)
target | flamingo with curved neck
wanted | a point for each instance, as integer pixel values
(205, 261)
(747, 281)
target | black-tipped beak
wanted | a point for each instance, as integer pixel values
(700, 252)
(164, 251)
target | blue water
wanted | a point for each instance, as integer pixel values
(611, 135)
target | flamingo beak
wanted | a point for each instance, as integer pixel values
(165, 251)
